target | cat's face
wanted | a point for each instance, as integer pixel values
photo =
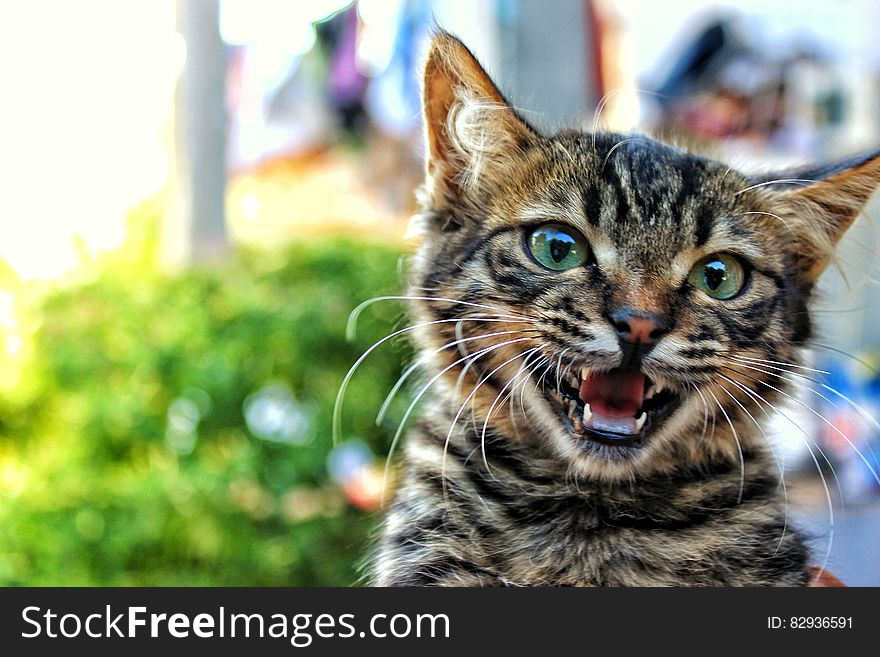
(624, 299)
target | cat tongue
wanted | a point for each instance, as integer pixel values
(615, 394)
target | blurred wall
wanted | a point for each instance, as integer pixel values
(558, 41)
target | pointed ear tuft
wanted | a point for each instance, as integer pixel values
(468, 123)
(826, 207)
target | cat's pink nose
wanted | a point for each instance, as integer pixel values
(637, 326)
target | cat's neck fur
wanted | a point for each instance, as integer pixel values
(500, 511)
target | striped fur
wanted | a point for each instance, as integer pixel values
(495, 488)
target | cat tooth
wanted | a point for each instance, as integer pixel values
(588, 413)
(640, 421)
(654, 390)
(585, 372)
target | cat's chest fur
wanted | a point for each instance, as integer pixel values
(513, 525)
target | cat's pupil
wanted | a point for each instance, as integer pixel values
(559, 250)
(715, 274)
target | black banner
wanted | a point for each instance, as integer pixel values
(434, 621)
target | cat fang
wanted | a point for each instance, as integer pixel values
(618, 408)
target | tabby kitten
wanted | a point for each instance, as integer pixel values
(606, 323)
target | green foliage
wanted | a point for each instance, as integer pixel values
(132, 461)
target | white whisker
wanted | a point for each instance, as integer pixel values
(558, 365)
(742, 465)
(611, 150)
(807, 441)
(828, 422)
(705, 411)
(464, 404)
(337, 406)
(424, 389)
(799, 381)
(772, 451)
(768, 214)
(522, 389)
(780, 181)
(776, 362)
(412, 368)
(355, 314)
(495, 402)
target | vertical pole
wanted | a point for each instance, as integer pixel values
(201, 130)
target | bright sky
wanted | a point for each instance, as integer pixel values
(87, 90)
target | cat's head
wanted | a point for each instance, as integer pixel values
(637, 304)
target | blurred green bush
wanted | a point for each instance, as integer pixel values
(177, 426)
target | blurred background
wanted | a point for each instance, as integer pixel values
(196, 194)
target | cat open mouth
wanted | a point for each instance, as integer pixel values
(619, 407)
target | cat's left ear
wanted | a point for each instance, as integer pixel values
(823, 209)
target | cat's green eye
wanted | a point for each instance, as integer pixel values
(720, 275)
(558, 247)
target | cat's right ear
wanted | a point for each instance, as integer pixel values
(472, 132)
(825, 206)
